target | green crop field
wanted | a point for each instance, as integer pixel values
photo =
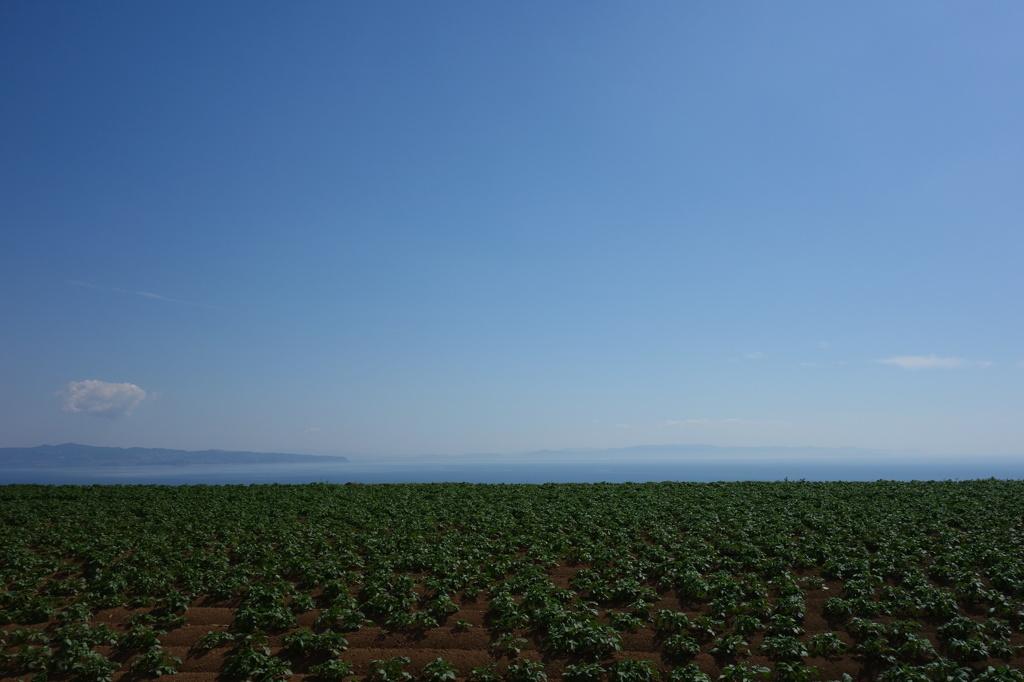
(583, 582)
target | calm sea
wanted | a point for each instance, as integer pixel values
(416, 470)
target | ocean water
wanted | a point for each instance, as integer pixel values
(510, 470)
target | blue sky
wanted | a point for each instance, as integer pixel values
(399, 228)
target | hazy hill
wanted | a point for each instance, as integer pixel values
(73, 454)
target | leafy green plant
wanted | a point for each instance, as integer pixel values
(485, 673)
(668, 621)
(214, 639)
(338, 618)
(632, 670)
(905, 672)
(729, 647)
(94, 667)
(970, 649)
(681, 646)
(688, 673)
(1002, 673)
(31, 657)
(747, 623)
(304, 641)
(508, 644)
(704, 627)
(144, 637)
(439, 670)
(301, 603)
(523, 670)
(251, 660)
(389, 670)
(583, 672)
(624, 621)
(744, 672)
(332, 671)
(794, 671)
(784, 648)
(826, 644)
(156, 662)
(76, 613)
(585, 637)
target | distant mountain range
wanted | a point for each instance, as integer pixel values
(73, 454)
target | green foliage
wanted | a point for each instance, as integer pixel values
(214, 639)
(338, 618)
(728, 647)
(895, 555)
(794, 671)
(688, 673)
(668, 621)
(784, 648)
(525, 671)
(826, 644)
(92, 666)
(744, 672)
(439, 670)
(624, 621)
(389, 670)
(1001, 673)
(332, 671)
(251, 660)
(484, 673)
(304, 641)
(156, 662)
(681, 646)
(583, 672)
(508, 644)
(142, 637)
(632, 670)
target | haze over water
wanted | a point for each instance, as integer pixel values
(416, 470)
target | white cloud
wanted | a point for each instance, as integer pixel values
(680, 422)
(315, 429)
(756, 355)
(101, 398)
(931, 362)
(730, 420)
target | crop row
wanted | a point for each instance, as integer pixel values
(619, 582)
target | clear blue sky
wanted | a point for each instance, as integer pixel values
(410, 227)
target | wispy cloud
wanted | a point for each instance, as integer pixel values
(158, 297)
(711, 422)
(756, 355)
(101, 398)
(315, 429)
(144, 294)
(931, 362)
